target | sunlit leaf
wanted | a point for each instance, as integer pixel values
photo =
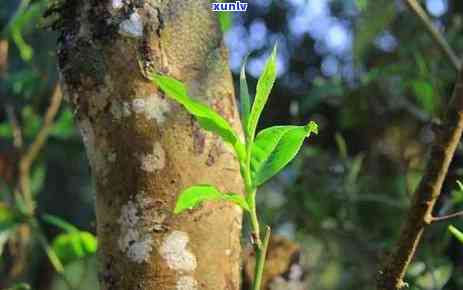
(263, 89)
(245, 99)
(275, 147)
(193, 196)
(207, 118)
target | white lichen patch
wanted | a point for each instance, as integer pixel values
(155, 160)
(120, 110)
(87, 133)
(112, 157)
(187, 283)
(134, 240)
(94, 152)
(117, 4)
(153, 107)
(132, 27)
(174, 251)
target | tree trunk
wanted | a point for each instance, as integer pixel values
(143, 148)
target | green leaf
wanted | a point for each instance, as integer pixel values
(207, 118)
(74, 245)
(457, 233)
(275, 147)
(245, 99)
(60, 223)
(225, 20)
(264, 86)
(193, 196)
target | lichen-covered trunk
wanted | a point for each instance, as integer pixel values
(143, 148)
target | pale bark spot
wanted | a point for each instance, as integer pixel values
(228, 252)
(175, 253)
(132, 27)
(135, 241)
(153, 107)
(279, 283)
(155, 160)
(187, 283)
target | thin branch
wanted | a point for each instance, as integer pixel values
(420, 214)
(3, 57)
(15, 127)
(434, 33)
(33, 150)
(447, 217)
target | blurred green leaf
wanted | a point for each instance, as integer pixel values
(457, 233)
(31, 121)
(74, 245)
(8, 217)
(60, 223)
(193, 196)
(436, 278)
(6, 130)
(9, 220)
(375, 18)
(37, 178)
(361, 4)
(64, 125)
(20, 286)
(424, 93)
(27, 14)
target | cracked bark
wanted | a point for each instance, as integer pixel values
(143, 148)
(420, 214)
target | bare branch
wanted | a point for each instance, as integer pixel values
(447, 217)
(434, 33)
(15, 127)
(420, 214)
(34, 149)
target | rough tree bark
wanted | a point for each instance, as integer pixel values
(143, 148)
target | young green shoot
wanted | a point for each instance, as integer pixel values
(261, 156)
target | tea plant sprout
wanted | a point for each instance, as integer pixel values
(260, 156)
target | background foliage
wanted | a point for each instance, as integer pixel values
(365, 70)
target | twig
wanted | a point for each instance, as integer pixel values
(447, 217)
(33, 150)
(3, 57)
(261, 254)
(17, 132)
(420, 214)
(434, 33)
